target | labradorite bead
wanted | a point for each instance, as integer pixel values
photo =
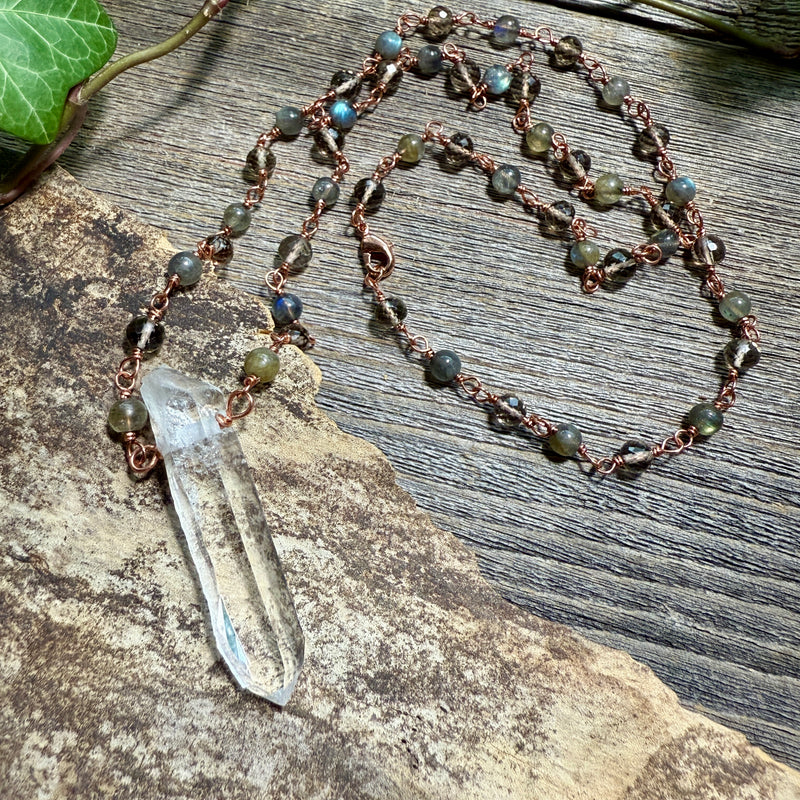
(741, 354)
(295, 250)
(680, 191)
(144, 334)
(237, 217)
(619, 265)
(524, 86)
(187, 266)
(343, 115)
(444, 366)
(505, 30)
(608, 188)
(709, 249)
(651, 138)
(539, 137)
(505, 180)
(263, 363)
(667, 240)
(346, 83)
(567, 51)
(464, 76)
(497, 79)
(575, 166)
(615, 91)
(429, 59)
(259, 159)
(566, 440)
(558, 216)
(637, 457)
(391, 311)
(734, 305)
(220, 247)
(289, 120)
(127, 415)
(508, 411)
(369, 192)
(388, 44)
(389, 74)
(584, 253)
(458, 150)
(440, 23)
(286, 308)
(411, 148)
(326, 190)
(706, 417)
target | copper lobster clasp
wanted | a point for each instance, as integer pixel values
(378, 257)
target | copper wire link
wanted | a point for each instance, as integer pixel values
(128, 373)
(226, 419)
(141, 457)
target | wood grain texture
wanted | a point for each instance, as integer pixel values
(694, 568)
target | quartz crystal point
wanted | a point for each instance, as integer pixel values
(252, 614)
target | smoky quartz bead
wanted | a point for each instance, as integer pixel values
(329, 140)
(263, 363)
(289, 120)
(652, 138)
(497, 79)
(237, 217)
(326, 190)
(187, 266)
(286, 309)
(608, 188)
(667, 240)
(619, 266)
(346, 84)
(524, 86)
(219, 248)
(411, 148)
(584, 253)
(389, 74)
(440, 23)
(127, 415)
(741, 354)
(388, 44)
(636, 457)
(566, 440)
(567, 51)
(343, 115)
(735, 305)
(464, 76)
(429, 60)
(558, 216)
(459, 149)
(391, 311)
(575, 166)
(508, 411)
(709, 249)
(296, 251)
(369, 192)
(706, 417)
(539, 138)
(615, 91)
(505, 180)
(259, 159)
(505, 31)
(664, 215)
(144, 334)
(444, 366)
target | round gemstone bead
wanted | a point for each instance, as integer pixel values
(391, 311)
(584, 253)
(741, 354)
(127, 415)
(619, 266)
(286, 308)
(497, 79)
(706, 417)
(237, 217)
(440, 23)
(295, 250)
(681, 191)
(429, 59)
(566, 440)
(458, 150)
(326, 190)
(575, 166)
(411, 148)
(263, 363)
(651, 138)
(220, 248)
(735, 305)
(144, 334)
(636, 456)
(388, 44)
(259, 159)
(187, 266)
(539, 138)
(464, 76)
(524, 86)
(343, 115)
(567, 51)
(289, 120)
(664, 215)
(558, 216)
(608, 188)
(508, 411)
(505, 180)
(328, 140)
(505, 30)
(615, 91)
(369, 192)
(667, 240)
(389, 74)
(346, 84)
(444, 366)
(709, 249)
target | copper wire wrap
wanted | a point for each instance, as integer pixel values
(235, 398)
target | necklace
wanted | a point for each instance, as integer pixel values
(255, 625)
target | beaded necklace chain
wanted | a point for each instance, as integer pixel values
(671, 202)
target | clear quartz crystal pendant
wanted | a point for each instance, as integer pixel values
(252, 614)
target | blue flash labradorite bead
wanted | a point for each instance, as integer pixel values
(706, 417)
(680, 191)
(388, 44)
(144, 334)
(127, 415)
(326, 190)
(505, 31)
(429, 59)
(566, 440)
(289, 120)
(343, 115)
(411, 148)
(444, 366)
(263, 363)
(615, 91)
(237, 217)
(505, 180)
(497, 79)
(667, 240)
(608, 188)
(539, 137)
(735, 305)
(584, 253)
(286, 309)
(187, 266)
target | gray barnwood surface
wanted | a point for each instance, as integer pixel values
(693, 568)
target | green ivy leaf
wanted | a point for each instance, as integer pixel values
(46, 48)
